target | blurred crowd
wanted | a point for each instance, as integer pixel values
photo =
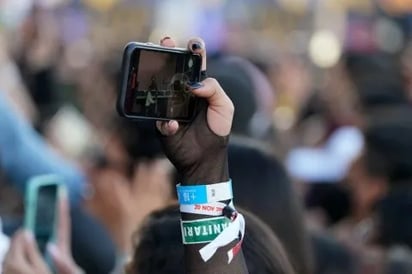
(321, 146)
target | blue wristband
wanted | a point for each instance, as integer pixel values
(204, 194)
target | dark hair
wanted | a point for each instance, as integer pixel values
(93, 248)
(385, 92)
(263, 187)
(331, 256)
(394, 217)
(377, 79)
(139, 138)
(388, 139)
(251, 93)
(238, 85)
(332, 198)
(362, 67)
(160, 250)
(138, 142)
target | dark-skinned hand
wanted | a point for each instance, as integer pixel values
(198, 149)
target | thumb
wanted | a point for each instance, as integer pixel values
(220, 110)
(63, 262)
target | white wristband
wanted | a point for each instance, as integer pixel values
(204, 194)
(211, 209)
(228, 235)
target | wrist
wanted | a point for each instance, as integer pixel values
(212, 229)
(209, 171)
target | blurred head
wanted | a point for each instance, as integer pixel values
(378, 80)
(385, 92)
(365, 189)
(128, 143)
(160, 250)
(263, 187)
(366, 66)
(130, 168)
(138, 139)
(388, 141)
(251, 93)
(331, 256)
(394, 218)
(386, 161)
(329, 202)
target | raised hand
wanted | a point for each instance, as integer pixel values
(198, 149)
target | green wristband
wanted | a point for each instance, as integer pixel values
(203, 231)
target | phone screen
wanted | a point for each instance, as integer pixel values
(157, 84)
(45, 215)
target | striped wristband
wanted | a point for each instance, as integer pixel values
(225, 224)
(204, 194)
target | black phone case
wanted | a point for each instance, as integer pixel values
(127, 55)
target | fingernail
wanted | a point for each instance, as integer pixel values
(195, 85)
(165, 38)
(28, 235)
(52, 249)
(196, 46)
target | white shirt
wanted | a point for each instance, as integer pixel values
(4, 246)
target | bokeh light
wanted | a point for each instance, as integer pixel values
(324, 49)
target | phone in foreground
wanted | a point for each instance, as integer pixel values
(155, 83)
(41, 208)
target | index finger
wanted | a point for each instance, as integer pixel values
(15, 252)
(63, 230)
(167, 42)
(32, 252)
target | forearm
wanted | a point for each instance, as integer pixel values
(217, 265)
(23, 154)
(210, 172)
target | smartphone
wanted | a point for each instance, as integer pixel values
(41, 208)
(155, 82)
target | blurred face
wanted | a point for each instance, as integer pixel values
(366, 189)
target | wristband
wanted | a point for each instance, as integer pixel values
(211, 209)
(235, 230)
(203, 231)
(216, 232)
(204, 194)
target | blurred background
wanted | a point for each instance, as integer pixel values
(322, 86)
(65, 50)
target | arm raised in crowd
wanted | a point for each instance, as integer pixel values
(24, 153)
(199, 151)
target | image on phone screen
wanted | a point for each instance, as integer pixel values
(157, 84)
(45, 216)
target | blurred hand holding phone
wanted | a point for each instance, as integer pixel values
(156, 82)
(41, 208)
(43, 246)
